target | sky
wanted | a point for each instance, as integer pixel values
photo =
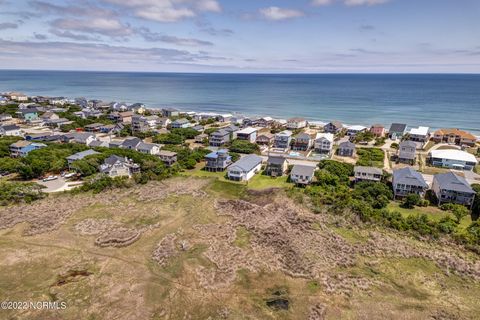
(255, 36)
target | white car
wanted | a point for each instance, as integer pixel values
(69, 175)
(50, 178)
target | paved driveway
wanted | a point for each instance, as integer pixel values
(58, 185)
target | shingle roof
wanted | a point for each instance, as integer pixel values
(11, 127)
(113, 159)
(452, 182)
(277, 159)
(247, 163)
(456, 132)
(303, 170)
(131, 143)
(371, 170)
(167, 153)
(81, 155)
(347, 145)
(398, 127)
(408, 143)
(408, 176)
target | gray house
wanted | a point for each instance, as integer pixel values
(367, 174)
(333, 127)
(407, 152)
(115, 166)
(217, 161)
(282, 139)
(168, 157)
(407, 181)
(80, 155)
(277, 165)
(303, 142)
(302, 174)
(452, 188)
(346, 149)
(219, 138)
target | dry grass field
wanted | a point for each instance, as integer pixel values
(200, 248)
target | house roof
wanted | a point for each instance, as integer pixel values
(291, 120)
(20, 144)
(131, 142)
(408, 143)
(81, 136)
(336, 124)
(303, 136)
(451, 154)
(420, 131)
(408, 176)
(167, 153)
(97, 143)
(147, 146)
(113, 159)
(453, 182)
(181, 121)
(284, 133)
(303, 170)
(267, 135)
(215, 154)
(276, 159)
(456, 132)
(356, 128)
(329, 136)
(370, 170)
(10, 127)
(398, 127)
(247, 163)
(248, 130)
(377, 125)
(81, 155)
(220, 133)
(347, 145)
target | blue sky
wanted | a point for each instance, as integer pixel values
(320, 36)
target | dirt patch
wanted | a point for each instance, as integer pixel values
(110, 233)
(71, 276)
(166, 249)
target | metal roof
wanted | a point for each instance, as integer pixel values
(247, 163)
(408, 176)
(453, 182)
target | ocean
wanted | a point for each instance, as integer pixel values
(433, 100)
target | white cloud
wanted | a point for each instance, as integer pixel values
(104, 26)
(168, 10)
(321, 2)
(277, 14)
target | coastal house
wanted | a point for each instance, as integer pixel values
(248, 134)
(198, 128)
(131, 143)
(94, 127)
(303, 142)
(181, 124)
(98, 143)
(324, 143)
(397, 131)
(265, 138)
(454, 136)
(217, 161)
(10, 130)
(265, 122)
(219, 138)
(420, 134)
(367, 174)
(282, 139)
(453, 159)
(17, 96)
(121, 117)
(80, 155)
(168, 157)
(302, 174)
(170, 112)
(407, 152)
(116, 166)
(48, 116)
(346, 149)
(296, 123)
(378, 130)
(57, 123)
(407, 181)
(5, 117)
(245, 168)
(80, 137)
(148, 148)
(22, 148)
(144, 123)
(163, 122)
(352, 131)
(92, 113)
(28, 114)
(333, 127)
(201, 138)
(277, 165)
(452, 188)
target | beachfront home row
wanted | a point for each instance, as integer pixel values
(333, 127)
(296, 123)
(420, 134)
(397, 131)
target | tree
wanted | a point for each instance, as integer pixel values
(242, 146)
(476, 202)
(169, 138)
(410, 201)
(459, 212)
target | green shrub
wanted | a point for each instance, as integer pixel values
(410, 201)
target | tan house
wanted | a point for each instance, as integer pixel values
(454, 136)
